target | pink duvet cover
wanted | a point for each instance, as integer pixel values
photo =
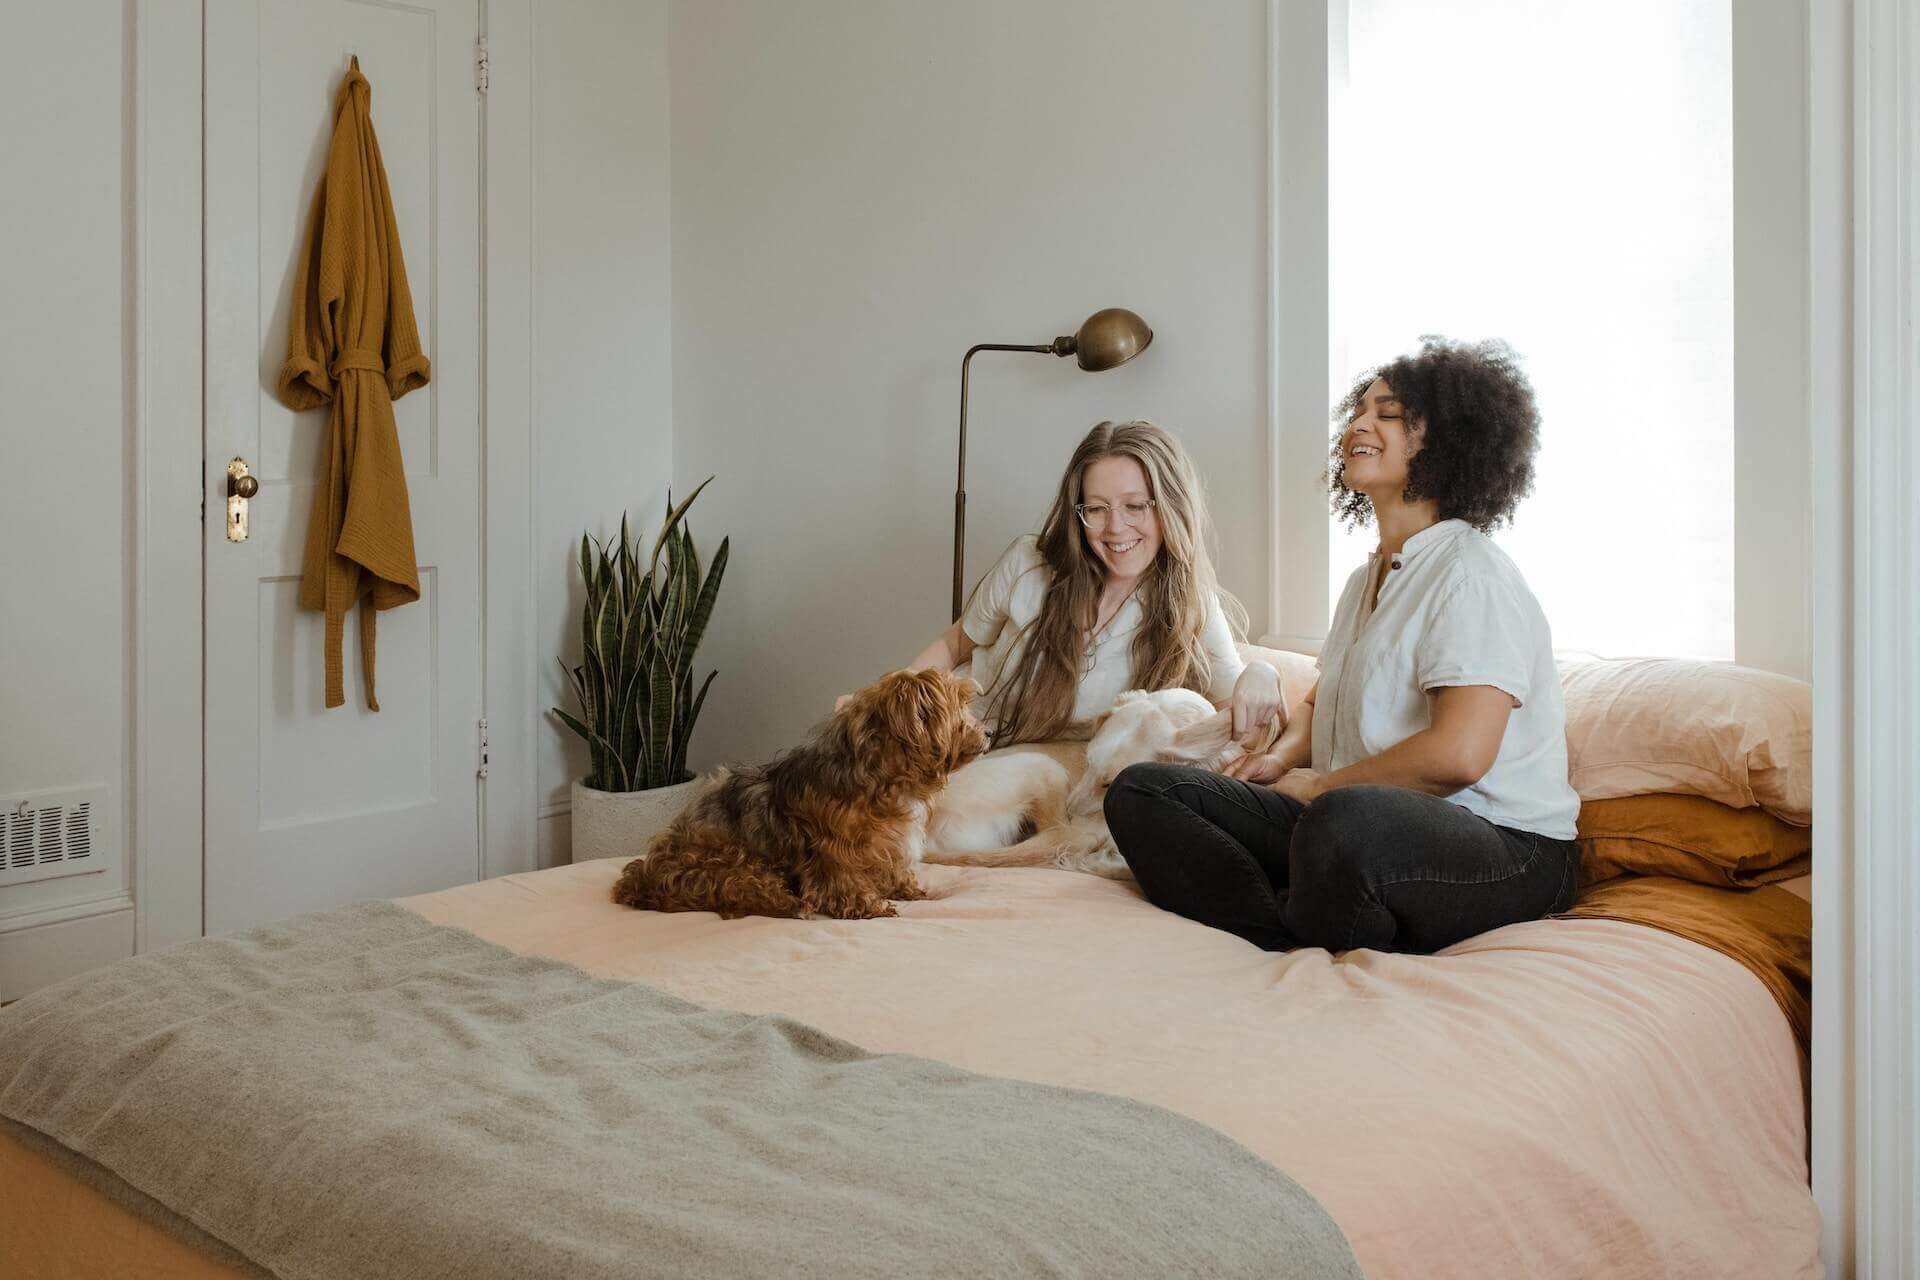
(1561, 1098)
(1573, 1098)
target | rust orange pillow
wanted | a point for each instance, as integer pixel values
(1691, 838)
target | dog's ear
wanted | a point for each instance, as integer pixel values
(914, 705)
(1203, 741)
(931, 723)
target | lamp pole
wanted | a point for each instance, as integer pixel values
(1108, 339)
(960, 483)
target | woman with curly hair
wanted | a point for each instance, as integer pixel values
(1419, 795)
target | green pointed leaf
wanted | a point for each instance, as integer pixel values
(674, 515)
(689, 721)
(690, 584)
(627, 565)
(625, 715)
(586, 734)
(607, 633)
(596, 753)
(600, 778)
(662, 676)
(587, 591)
(696, 627)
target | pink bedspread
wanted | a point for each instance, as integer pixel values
(1574, 1098)
(1562, 1098)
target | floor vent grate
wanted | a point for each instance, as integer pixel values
(45, 834)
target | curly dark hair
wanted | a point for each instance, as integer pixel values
(1481, 431)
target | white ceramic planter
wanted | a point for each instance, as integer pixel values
(617, 824)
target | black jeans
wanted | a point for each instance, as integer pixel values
(1379, 867)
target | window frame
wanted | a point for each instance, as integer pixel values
(1771, 262)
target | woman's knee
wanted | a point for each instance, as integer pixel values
(1135, 784)
(1335, 834)
(1135, 808)
(1341, 847)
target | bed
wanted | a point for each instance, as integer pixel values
(1566, 1097)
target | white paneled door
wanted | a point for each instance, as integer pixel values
(309, 808)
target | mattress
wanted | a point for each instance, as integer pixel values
(1561, 1097)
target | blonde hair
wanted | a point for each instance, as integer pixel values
(1032, 698)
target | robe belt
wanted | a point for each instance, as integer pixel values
(356, 358)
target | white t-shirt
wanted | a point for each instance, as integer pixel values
(1453, 611)
(1008, 601)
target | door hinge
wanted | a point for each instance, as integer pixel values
(482, 771)
(480, 64)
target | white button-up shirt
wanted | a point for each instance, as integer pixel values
(1452, 611)
(1007, 603)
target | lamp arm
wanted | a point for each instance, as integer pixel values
(960, 480)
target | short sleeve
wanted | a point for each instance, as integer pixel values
(993, 598)
(1480, 633)
(1223, 653)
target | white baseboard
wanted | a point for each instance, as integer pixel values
(35, 957)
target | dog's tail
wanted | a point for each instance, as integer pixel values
(1042, 849)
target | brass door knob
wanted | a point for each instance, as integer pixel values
(240, 486)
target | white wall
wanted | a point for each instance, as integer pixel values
(860, 192)
(65, 423)
(602, 340)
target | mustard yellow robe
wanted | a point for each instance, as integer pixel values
(352, 344)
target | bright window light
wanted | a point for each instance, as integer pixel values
(1560, 175)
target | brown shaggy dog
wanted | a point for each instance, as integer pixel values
(831, 828)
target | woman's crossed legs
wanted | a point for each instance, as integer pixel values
(1381, 867)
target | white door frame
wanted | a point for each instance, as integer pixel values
(165, 830)
(1865, 397)
(512, 653)
(168, 834)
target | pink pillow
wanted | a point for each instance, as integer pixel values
(1651, 725)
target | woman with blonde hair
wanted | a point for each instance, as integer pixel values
(1116, 592)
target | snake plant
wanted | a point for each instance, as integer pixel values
(638, 633)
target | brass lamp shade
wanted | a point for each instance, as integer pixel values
(1107, 340)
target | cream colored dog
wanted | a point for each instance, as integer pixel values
(977, 821)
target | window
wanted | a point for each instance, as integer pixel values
(1560, 176)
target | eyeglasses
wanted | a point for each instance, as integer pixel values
(1095, 514)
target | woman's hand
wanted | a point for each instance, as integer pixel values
(1301, 784)
(1256, 702)
(1260, 770)
(841, 701)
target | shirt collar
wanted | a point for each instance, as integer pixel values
(1431, 536)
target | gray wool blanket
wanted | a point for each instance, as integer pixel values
(365, 1094)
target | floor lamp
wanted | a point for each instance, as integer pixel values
(1108, 339)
